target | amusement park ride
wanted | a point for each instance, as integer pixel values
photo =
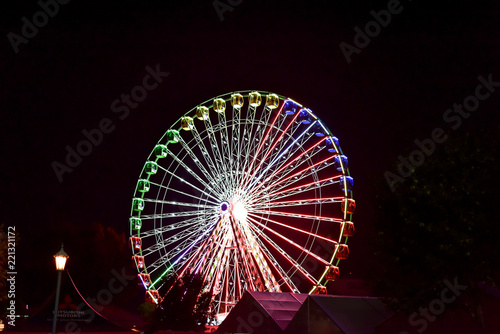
(249, 190)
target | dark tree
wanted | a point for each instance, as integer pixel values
(442, 223)
(183, 308)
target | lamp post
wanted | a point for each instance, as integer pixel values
(60, 258)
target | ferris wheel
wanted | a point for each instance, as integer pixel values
(249, 190)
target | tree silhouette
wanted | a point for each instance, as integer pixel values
(183, 307)
(441, 223)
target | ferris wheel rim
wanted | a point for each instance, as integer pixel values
(209, 211)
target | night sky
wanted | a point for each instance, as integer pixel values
(387, 92)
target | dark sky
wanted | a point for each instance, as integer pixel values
(64, 78)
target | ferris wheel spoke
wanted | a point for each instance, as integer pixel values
(214, 169)
(236, 153)
(224, 137)
(219, 159)
(282, 181)
(246, 241)
(196, 176)
(235, 141)
(308, 233)
(291, 242)
(300, 172)
(269, 198)
(209, 261)
(205, 232)
(198, 259)
(206, 256)
(186, 233)
(286, 167)
(270, 150)
(176, 203)
(271, 259)
(275, 140)
(182, 251)
(200, 166)
(287, 142)
(209, 187)
(187, 265)
(174, 226)
(299, 215)
(247, 145)
(279, 186)
(177, 191)
(261, 144)
(284, 254)
(297, 202)
(275, 158)
(177, 214)
(217, 270)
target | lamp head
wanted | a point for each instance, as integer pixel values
(61, 258)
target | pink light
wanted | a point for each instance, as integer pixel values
(279, 251)
(81, 296)
(270, 149)
(238, 283)
(208, 245)
(299, 215)
(222, 244)
(298, 230)
(292, 243)
(271, 262)
(241, 244)
(262, 143)
(297, 158)
(305, 201)
(297, 173)
(303, 185)
(193, 257)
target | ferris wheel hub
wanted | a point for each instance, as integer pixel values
(236, 208)
(239, 210)
(224, 208)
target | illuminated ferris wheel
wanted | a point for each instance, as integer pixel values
(249, 190)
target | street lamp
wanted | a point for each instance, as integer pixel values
(60, 258)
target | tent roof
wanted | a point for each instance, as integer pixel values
(258, 310)
(280, 306)
(346, 311)
(339, 314)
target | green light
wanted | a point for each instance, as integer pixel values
(161, 276)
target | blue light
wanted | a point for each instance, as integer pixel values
(305, 116)
(346, 181)
(331, 144)
(319, 130)
(340, 160)
(290, 107)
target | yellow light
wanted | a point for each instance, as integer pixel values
(61, 258)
